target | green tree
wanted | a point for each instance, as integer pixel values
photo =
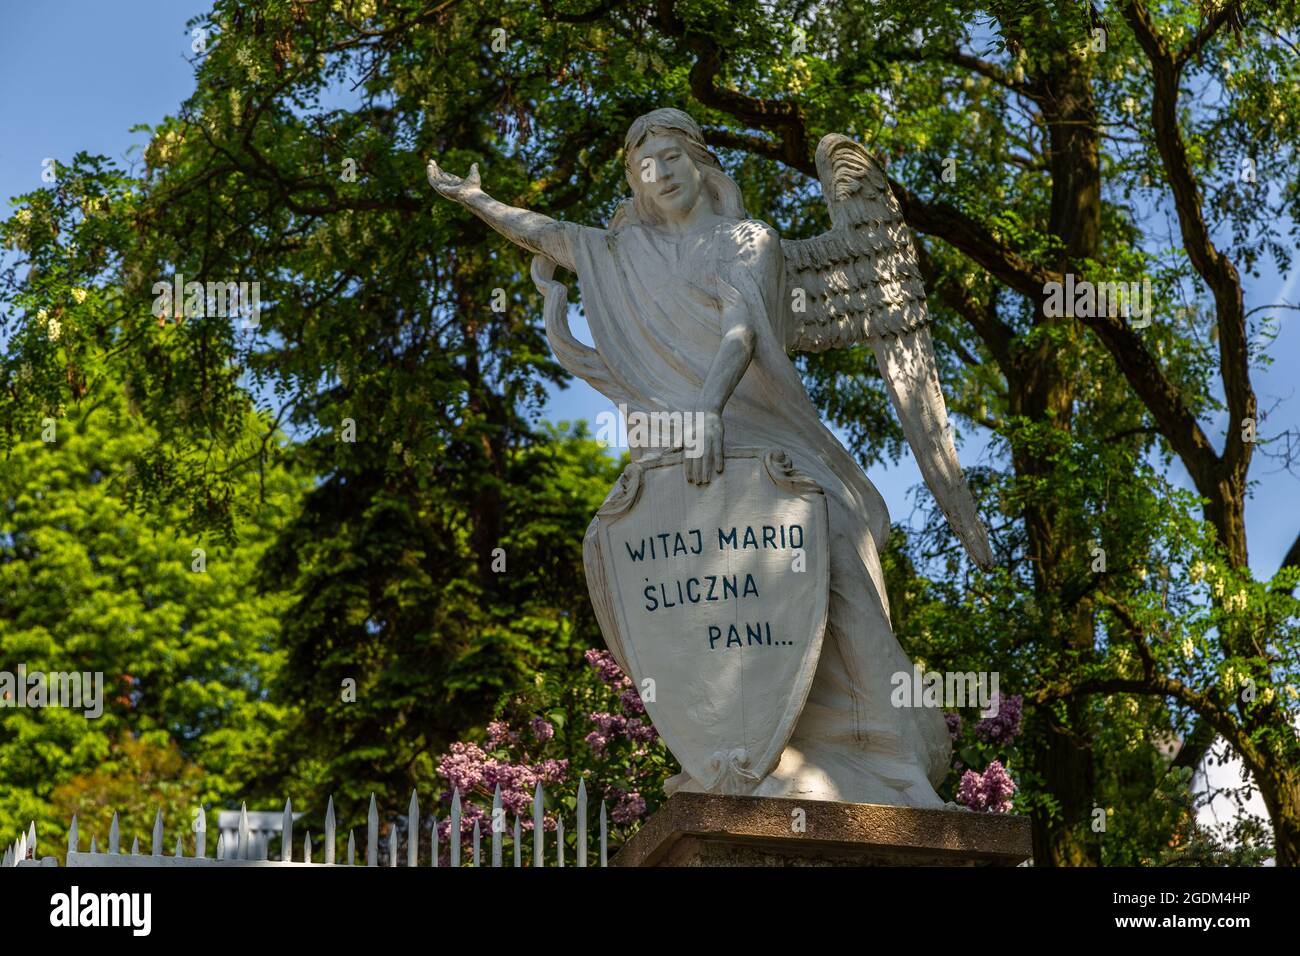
(185, 647)
(395, 649)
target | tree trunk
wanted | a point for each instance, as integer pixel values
(1045, 394)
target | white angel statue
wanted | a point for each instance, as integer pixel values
(694, 306)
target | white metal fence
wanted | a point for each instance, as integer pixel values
(250, 847)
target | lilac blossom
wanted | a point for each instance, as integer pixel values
(609, 725)
(629, 807)
(1005, 727)
(542, 730)
(463, 767)
(552, 771)
(989, 792)
(954, 725)
(631, 701)
(499, 735)
(641, 730)
(608, 669)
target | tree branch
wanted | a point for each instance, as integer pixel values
(1215, 269)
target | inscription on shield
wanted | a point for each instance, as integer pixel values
(719, 595)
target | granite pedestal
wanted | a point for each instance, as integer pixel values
(695, 829)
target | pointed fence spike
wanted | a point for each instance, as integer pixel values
(114, 836)
(306, 846)
(72, 835)
(286, 832)
(581, 848)
(539, 830)
(413, 831)
(243, 851)
(156, 841)
(372, 834)
(135, 846)
(221, 845)
(498, 824)
(433, 841)
(453, 834)
(22, 847)
(201, 834)
(559, 840)
(352, 849)
(31, 838)
(180, 850)
(392, 844)
(94, 847)
(476, 844)
(604, 833)
(329, 831)
(517, 841)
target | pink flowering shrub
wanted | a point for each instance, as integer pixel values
(987, 792)
(594, 728)
(988, 743)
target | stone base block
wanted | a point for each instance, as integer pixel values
(698, 829)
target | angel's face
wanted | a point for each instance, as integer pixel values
(666, 175)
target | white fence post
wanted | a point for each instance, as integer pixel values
(498, 824)
(582, 823)
(539, 830)
(413, 831)
(372, 834)
(329, 832)
(156, 841)
(454, 833)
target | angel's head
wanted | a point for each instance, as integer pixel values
(670, 169)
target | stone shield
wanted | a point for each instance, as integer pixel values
(713, 599)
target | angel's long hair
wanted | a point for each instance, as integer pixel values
(721, 189)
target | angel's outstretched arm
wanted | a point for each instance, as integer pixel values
(533, 231)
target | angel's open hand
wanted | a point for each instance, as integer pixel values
(451, 186)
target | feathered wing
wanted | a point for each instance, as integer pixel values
(861, 283)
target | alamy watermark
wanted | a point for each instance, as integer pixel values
(178, 300)
(950, 689)
(1081, 298)
(637, 429)
(75, 690)
(130, 910)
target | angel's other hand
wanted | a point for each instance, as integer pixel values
(706, 459)
(451, 186)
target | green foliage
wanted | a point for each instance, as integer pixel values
(186, 656)
(390, 595)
